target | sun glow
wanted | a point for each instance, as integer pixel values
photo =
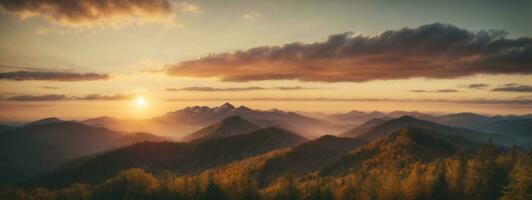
(140, 102)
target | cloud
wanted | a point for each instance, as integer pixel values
(51, 76)
(250, 17)
(435, 91)
(477, 86)
(513, 88)
(49, 87)
(190, 8)
(296, 88)
(106, 97)
(212, 89)
(62, 97)
(235, 89)
(46, 97)
(431, 51)
(94, 13)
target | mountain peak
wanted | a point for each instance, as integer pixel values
(46, 121)
(227, 105)
(406, 117)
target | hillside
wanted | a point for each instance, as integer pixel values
(180, 158)
(38, 147)
(387, 128)
(403, 146)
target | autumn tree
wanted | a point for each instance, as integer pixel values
(132, 184)
(520, 185)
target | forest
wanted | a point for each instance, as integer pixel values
(489, 173)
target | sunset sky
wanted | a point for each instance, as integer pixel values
(82, 59)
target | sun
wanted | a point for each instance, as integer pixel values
(140, 102)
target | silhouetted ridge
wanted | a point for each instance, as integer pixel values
(45, 121)
(387, 128)
(181, 158)
(233, 125)
(30, 150)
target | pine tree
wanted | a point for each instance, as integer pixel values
(482, 181)
(440, 188)
(212, 191)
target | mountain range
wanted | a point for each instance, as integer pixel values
(180, 158)
(43, 145)
(180, 123)
(53, 152)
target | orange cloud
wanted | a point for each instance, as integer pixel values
(93, 13)
(431, 51)
(51, 76)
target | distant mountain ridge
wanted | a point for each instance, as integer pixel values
(181, 158)
(233, 125)
(45, 144)
(388, 127)
(203, 115)
(402, 146)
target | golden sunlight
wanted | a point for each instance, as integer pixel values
(140, 102)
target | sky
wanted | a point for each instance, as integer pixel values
(81, 59)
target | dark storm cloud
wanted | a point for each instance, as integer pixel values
(513, 88)
(90, 13)
(435, 91)
(46, 97)
(430, 51)
(235, 89)
(51, 76)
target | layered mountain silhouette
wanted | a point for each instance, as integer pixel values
(364, 127)
(43, 145)
(386, 128)
(233, 125)
(183, 122)
(203, 115)
(180, 158)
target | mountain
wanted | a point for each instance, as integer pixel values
(4, 127)
(181, 158)
(179, 123)
(355, 116)
(402, 146)
(307, 157)
(387, 128)
(44, 121)
(43, 145)
(202, 115)
(233, 125)
(364, 127)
